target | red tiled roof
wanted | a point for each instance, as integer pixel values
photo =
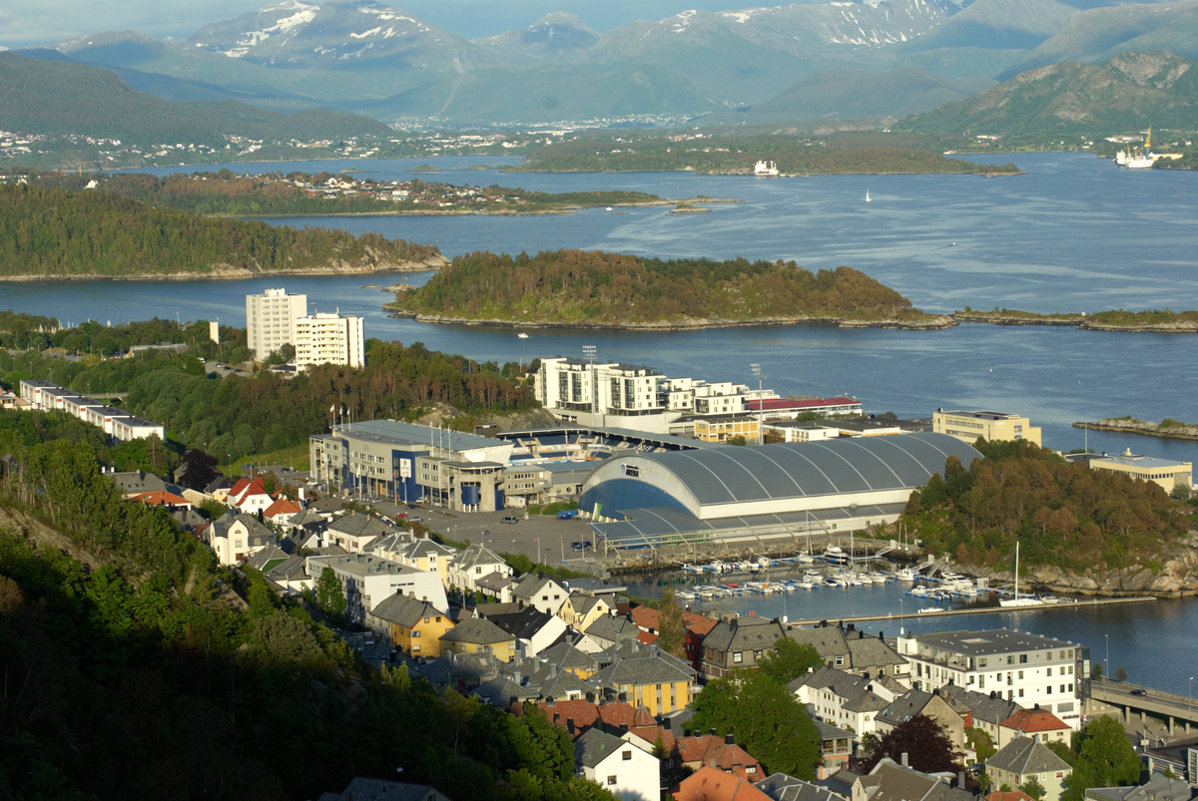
(161, 498)
(712, 784)
(1034, 720)
(1012, 795)
(585, 714)
(780, 404)
(283, 506)
(712, 750)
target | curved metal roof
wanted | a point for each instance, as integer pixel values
(737, 474)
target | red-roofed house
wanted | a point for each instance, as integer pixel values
(713, 750)
(1011, 795)
(250, 496)
(1039, 724)
(162, 498)
(281, 511)
(712, 784)
(697, 626)
(578, 716)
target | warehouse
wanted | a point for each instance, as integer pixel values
(753, 494)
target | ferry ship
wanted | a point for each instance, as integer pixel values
(766, 169)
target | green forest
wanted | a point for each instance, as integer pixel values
(138, 668)
(56, 234)
(238, 416)
(298, 193)
(1062, 514)
(574, 287)
(726, 154)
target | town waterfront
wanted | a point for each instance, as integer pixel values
(1072, 234)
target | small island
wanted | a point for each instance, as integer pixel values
(582, 289)
(1163, 321)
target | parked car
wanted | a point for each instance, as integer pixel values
(581, 545)
(510, 520)
(568, 514)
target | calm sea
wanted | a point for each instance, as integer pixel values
(1073, 233)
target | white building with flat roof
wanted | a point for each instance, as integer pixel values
(270, 320)
(329, 338)
(1028, 669)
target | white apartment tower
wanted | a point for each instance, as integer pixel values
(270, 320)
(325, 338)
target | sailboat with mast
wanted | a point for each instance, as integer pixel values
(1026, 600)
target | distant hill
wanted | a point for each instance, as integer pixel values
(1129, 92)
(59, 97)
(855, 95)
(60, 235)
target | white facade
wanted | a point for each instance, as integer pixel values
(626, 771)
(367, 580)
(1025, 668)
(270, 320)
(326, 338)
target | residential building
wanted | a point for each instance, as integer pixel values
(783, 787)
(1027, 668)
(1159, 787)
(621, 768)
(968, 426)
(890, 781)
(850, 650)
(983, 711)
(582, 609)
(1167, 474)
(1038, 724)
(356, 532)
(1024, 759)
(835, 748)
(644, 676)
(366, 580)
(270, 320)
(533, 629)
(468, 567)
(738, 643)
(930, 705)
(712, 784)
(841, 698)
(249, 496)
(719, 751)
(540, 591)
(362, 789)
(413, 626)
(234, 537)
(327, 338)
(475, 635)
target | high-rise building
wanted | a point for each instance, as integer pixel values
(325, 338)
(270, 320)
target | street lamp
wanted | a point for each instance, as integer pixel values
(760, 376)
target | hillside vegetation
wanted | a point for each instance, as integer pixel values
(1126, 94)
(573, 287)
(50, 234)
(1064, 515)
(737, 155)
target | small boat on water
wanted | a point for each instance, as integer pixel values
(522, 335)
(835, 555)
(867, 198)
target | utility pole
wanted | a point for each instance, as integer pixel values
(760, 375)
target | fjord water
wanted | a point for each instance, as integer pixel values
(1073, 233)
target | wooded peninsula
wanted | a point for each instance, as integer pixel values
(592, 289)
(49, 234)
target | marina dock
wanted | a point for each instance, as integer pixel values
(977, 610)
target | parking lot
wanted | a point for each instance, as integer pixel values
(541, 538)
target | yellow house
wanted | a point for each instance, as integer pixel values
(968, 426)
(475, 635)
(581, 610)
(414, 627)
(1165, 473)
(662, 684)
(720, 429)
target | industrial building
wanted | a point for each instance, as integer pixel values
(752, 494)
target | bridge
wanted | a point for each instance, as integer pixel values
(1179, 712)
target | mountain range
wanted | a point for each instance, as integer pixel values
(811, 60)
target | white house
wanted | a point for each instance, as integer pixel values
(235, 537)
(619, 767)
(367, 580)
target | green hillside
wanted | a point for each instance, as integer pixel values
(57, 235)
(59, 98)
(1126, 94)
(572, 287)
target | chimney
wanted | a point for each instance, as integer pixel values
(549, 701)
(729, 739)
(570, 726)
(713, 732)
(903, 760)
(961, 779)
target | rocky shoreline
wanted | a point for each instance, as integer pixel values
(230, 273)
(933, 322)
(1074, 321)
(1125, 425)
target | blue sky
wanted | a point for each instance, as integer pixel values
(44, 22)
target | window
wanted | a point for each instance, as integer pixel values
(626, 755)
(736, 658)
(1049, 671)
(611, 780)
(1023, 659)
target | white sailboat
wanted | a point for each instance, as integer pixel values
(867, 198)
(1016, 601)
